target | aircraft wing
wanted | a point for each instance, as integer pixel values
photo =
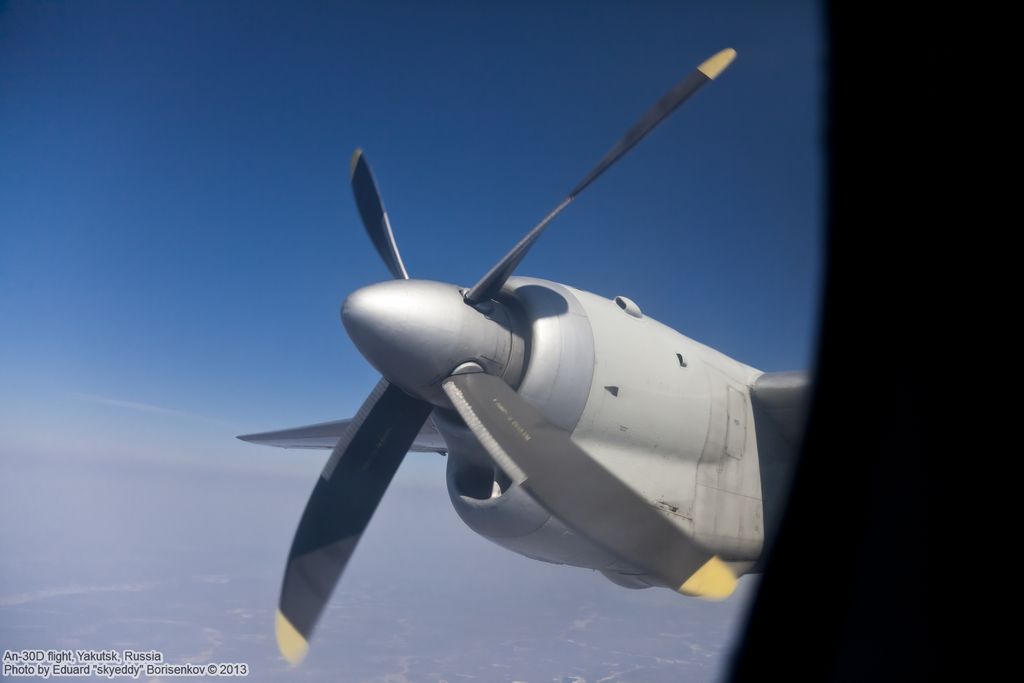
(326, 434)
(782, 399)
(779, 401)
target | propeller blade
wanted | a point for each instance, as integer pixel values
(343, 500)
(578, 490)
(375, 218)
(492, 282)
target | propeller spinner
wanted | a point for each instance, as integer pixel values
(434, 350)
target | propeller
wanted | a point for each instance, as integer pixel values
(491, 283)
(375, 217)
(434, 350)
(343, 500)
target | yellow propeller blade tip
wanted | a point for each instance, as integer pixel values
(355, 160)
(713, 580)
(289, 641)
(718, 63)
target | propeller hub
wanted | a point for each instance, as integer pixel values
(416, 332)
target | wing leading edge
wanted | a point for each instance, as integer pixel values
(779, 401)
(782, 398)
(325, 435)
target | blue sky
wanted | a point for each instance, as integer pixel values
(176, 227)
(177, 235)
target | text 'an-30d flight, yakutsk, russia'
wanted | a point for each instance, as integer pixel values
(578, 430)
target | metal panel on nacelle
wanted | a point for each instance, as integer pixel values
(728, 507)
(650, 430)
(665, 431)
